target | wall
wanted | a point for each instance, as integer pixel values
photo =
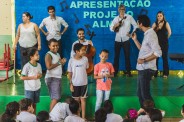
(96, 15)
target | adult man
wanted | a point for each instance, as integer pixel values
(122, 25)
(81, 39)
(146, 62)
(53, 25)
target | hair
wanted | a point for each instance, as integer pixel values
(11, 111)
(148, 104)
(128, 120)
(28, 15)
(100, 115)
(132, 114)
(155, 115)
(121, 5)
(32, 52)
(25, 103)
(50, 8)
(182, 108)
(74, 106)
(104, 50)
(77, 47)
(80, 29)
(42, 116)
(160, 12)
(108, 106)
(144, 19)
(52, 40)
(68, 99)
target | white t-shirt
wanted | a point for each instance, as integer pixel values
(143, 118)
(25, 116)
(74, 118)
(60, 111)
(181, 120)
(57, 71)
(86, 42)
(30, 70)
(78, 69)
(112, 117)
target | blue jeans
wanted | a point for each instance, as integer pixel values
(143, 85)
(100, 94)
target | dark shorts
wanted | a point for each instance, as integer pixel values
(80, 91)
(33, 95)
(54, 86)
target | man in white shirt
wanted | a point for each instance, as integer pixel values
(121, 24)
(53, 25)
(149, 50)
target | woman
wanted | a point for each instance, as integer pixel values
(28, 36)
(12, 110)
(163, 30)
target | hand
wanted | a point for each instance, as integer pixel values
(71, 87)
(117, 24)
(47, 33)
(39, 47)
(14, 47)
(107, 75)
(134, 36)
(60, 33)
(140, 61)
(90, 42)
(63, 61)
(141, 110)
(129, 35)
(39, 76)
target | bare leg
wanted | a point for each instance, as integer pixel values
(83, 107)
(34, 106)
(52, 104)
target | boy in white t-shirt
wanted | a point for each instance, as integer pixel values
(74, 108)
(78, 77)
(26, 114)
(31, 74)
(61, 110)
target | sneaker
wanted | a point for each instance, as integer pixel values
(165, 76)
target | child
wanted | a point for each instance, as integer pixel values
(26, 114)
(43, 116)
(182, 113)
(12, 110)
(31, 74)
(103, 71)
(111, 117)
(78, 77)
(74, 108)
(61, 110)
(54, 72)
(101, 115)
(131, 115)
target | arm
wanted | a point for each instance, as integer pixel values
(16, 38)
(65, 25)
(134, 24)
(149, 58)
(70, 81)
(134, 38)
(48, 62)
(96, 76)
(38, 36)
(29, 77)
(113, 25)
(168, 29)
(41, 28)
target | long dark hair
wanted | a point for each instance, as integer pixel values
(160, 12)
(11, 110)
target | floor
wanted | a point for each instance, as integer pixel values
(166, 93)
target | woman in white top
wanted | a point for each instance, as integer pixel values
(28, 36)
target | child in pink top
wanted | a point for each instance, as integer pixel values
(103, 71)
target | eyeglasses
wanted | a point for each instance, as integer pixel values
(51, 12)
